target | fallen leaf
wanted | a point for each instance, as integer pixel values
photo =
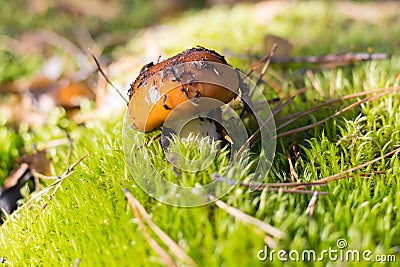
(36, 161)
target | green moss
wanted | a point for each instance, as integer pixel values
(89, 218)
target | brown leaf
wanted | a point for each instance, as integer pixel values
(37, 161)
(71, 95)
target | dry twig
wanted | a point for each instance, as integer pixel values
(293, 117)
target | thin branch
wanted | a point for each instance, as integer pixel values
(269, 241)
(266, 58)
(267, 228)
(296, 191)
(53, 143)
(267, 63)
(331, 58)
(263, 185)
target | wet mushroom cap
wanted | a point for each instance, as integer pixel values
(194, 73)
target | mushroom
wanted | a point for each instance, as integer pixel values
(176, 86)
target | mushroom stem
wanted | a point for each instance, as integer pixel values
(199, 127)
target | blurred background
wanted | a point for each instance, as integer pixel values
(45, 45)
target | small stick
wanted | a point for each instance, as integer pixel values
(296, 191)
(53, 143)
(267, 60)
(269, 229)
(172, 245)
(269, 241)
(154, 245)
(273, 84)
(331, 58)
(105, 77)
(267, 63)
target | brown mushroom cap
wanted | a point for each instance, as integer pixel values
(194, 73)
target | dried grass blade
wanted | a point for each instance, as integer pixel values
(314, 83)
(304, 128)
(254, 135)
(172, 245)
(342, 175)
(154, 245)
(267, 228)
(311, 204)
(293, 117)
(59, 182)
(108, 80)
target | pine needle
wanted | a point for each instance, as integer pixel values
(343, 174)
(340, 112)
(172, 245)
(289, 119)
(154, 245)
(59, 182)
(276, 110)
(105, 77)
(311, 204)
(267, 228)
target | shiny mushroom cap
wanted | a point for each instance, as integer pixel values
(194, 73)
